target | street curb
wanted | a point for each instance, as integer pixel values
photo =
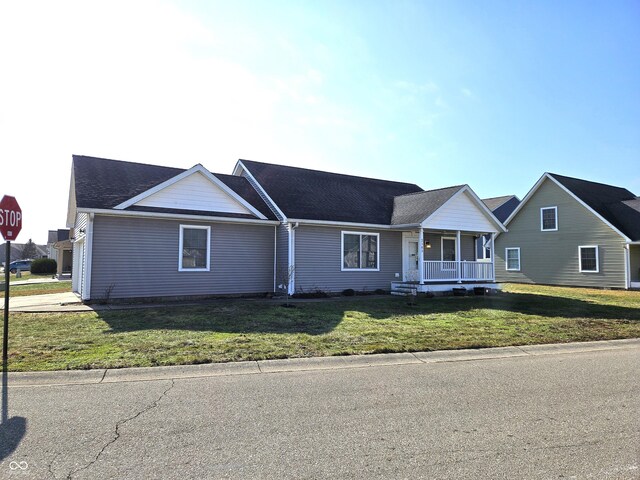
(259, 367)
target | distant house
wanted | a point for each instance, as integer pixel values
(569, 231)
(59, 248)
(145, 231)
(16, 251)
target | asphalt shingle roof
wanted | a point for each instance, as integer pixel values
(413, 208)
(617, 205)
(104, 183)
(316, 195)
(501, 207)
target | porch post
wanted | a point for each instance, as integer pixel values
(458, 256)
(421, 255)
(493, 257)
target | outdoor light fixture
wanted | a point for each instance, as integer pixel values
(427, 244)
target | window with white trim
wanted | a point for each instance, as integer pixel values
(360, 251)
(512, 259)
(483, 247)
(195, 248)
(549, 219)
(588, 257)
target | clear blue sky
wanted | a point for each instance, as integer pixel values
(491, 94)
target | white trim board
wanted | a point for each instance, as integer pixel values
(193, 170)
(255, 183)
(174, 216)
(535, 188)
(490, 217)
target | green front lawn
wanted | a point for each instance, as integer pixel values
(230, 330)
(39, 289)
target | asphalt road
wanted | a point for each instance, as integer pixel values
(570, 415)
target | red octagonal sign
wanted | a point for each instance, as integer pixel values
(10, 218)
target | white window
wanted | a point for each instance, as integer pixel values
(588, 256)
(360, 251)
(483, 247)
(512, 259)
(549, 219)
(195, 248)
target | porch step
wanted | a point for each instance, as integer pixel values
(402, 288)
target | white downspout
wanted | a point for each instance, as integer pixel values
(458, 256)
(627, 267)
(421, 255)
(493, 256)
(292, 258)
(275, 255)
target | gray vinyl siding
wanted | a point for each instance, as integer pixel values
(139, 258)
(634, 260)
(319, 259)
(467, 246)
(551, 257)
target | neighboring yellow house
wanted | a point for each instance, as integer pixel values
(60, 249)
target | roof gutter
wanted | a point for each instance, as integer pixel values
(174, 216)
(332, 223)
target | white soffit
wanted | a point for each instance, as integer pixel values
(460, 213)
(194, 192)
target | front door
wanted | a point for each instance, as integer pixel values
(410, 263)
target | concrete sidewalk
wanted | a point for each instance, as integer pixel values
(80, 377)
(50, 302)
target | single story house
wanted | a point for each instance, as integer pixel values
(574, 232)
(144, 231)
(60, 248)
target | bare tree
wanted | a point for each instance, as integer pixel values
(285, 277)
(29, 250)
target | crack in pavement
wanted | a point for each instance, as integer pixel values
(117, 430)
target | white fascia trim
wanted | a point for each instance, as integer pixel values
(606, 222)
(255, 182)
(479, 203)
(505, 201)
(526, 198)
(195, 169)
(331, 223)
(537, 186)
(173, 216)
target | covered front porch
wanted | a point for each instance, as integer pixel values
(447, 256)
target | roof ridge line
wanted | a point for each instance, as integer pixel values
(432, 190)
(330, 173)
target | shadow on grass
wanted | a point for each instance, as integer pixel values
(317, 318)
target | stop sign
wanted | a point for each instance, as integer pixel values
(10, 218)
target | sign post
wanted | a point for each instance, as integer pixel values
(10, 226)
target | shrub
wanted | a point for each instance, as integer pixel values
(313, 294)
(379, 291)
(348, 292)
(44, 265)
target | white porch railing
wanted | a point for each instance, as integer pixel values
(435, 271)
